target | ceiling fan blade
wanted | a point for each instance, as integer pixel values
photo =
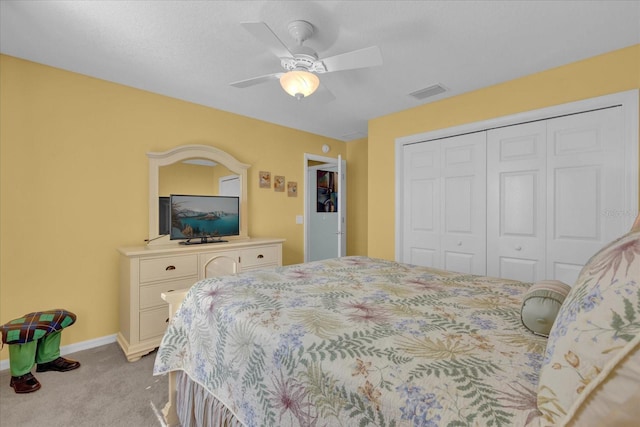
(367, 57)
(262, 32)
(256, 80)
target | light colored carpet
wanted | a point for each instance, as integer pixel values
(106, 390)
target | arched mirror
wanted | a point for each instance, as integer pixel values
(193, 169)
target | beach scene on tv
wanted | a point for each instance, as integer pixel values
(204, 216)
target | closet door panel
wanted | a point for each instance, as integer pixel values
(459, 253)
(577, 202)
(458, 204)
(518, 196)
(521, 269)
(461, 262)
(585, 188)
(463, 208)
(421, 206)
(516, 157)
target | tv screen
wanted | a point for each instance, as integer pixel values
(204, 218)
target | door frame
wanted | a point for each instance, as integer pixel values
(308, 193)
(628, 100)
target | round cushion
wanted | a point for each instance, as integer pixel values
(541, 304)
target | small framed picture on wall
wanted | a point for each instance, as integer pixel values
(292, 189)
(278, 183)
(265, 179)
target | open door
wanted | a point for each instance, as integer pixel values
(325, 208)
(229, 185)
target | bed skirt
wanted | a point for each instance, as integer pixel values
(196, 407)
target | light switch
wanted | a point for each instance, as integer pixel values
(299, 219)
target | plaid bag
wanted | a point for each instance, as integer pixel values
(34, 326)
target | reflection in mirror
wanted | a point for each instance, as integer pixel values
(191, 178)
(196, 170)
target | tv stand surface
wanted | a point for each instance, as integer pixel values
(203, 241)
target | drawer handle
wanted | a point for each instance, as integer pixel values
(170, 290)
(260, 256)
(170, 267)
(166, 321)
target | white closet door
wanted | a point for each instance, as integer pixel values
(585, 188)
(444, 208)
(421, 207)
(516, 203)
(464, 203)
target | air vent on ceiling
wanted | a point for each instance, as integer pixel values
(433, 90)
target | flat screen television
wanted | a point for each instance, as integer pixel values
(204, 219)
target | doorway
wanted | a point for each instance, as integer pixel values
(229, 185)
(324, 207)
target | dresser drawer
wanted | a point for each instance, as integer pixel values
(150, 294)
(167, 268)
(259, 257)
(154, 322)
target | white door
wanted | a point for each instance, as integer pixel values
(554, 188)
(229, 185)
(464, 203)
(421, 205)
(445, 204)
(586, 188)
(516, 205)
(558, 189)
(325, 208)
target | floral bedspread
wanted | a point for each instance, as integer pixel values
(358, 341)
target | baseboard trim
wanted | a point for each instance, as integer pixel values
(72, 348)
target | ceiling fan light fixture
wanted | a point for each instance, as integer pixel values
(299, 83)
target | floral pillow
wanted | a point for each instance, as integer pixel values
(596, 327)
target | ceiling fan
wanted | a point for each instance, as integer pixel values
(301, 63)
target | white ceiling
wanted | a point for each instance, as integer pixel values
(192, 50)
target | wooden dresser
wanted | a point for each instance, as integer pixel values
(146, 272)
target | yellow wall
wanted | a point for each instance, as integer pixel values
(357, 215)
(613, 72)
(73, 184)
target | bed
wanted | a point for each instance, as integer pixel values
(357, 341)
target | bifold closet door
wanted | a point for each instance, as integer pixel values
(445, 204)
(464, 203)
(585, 187)
(421, 205)
(516, 203)
(555, 189)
